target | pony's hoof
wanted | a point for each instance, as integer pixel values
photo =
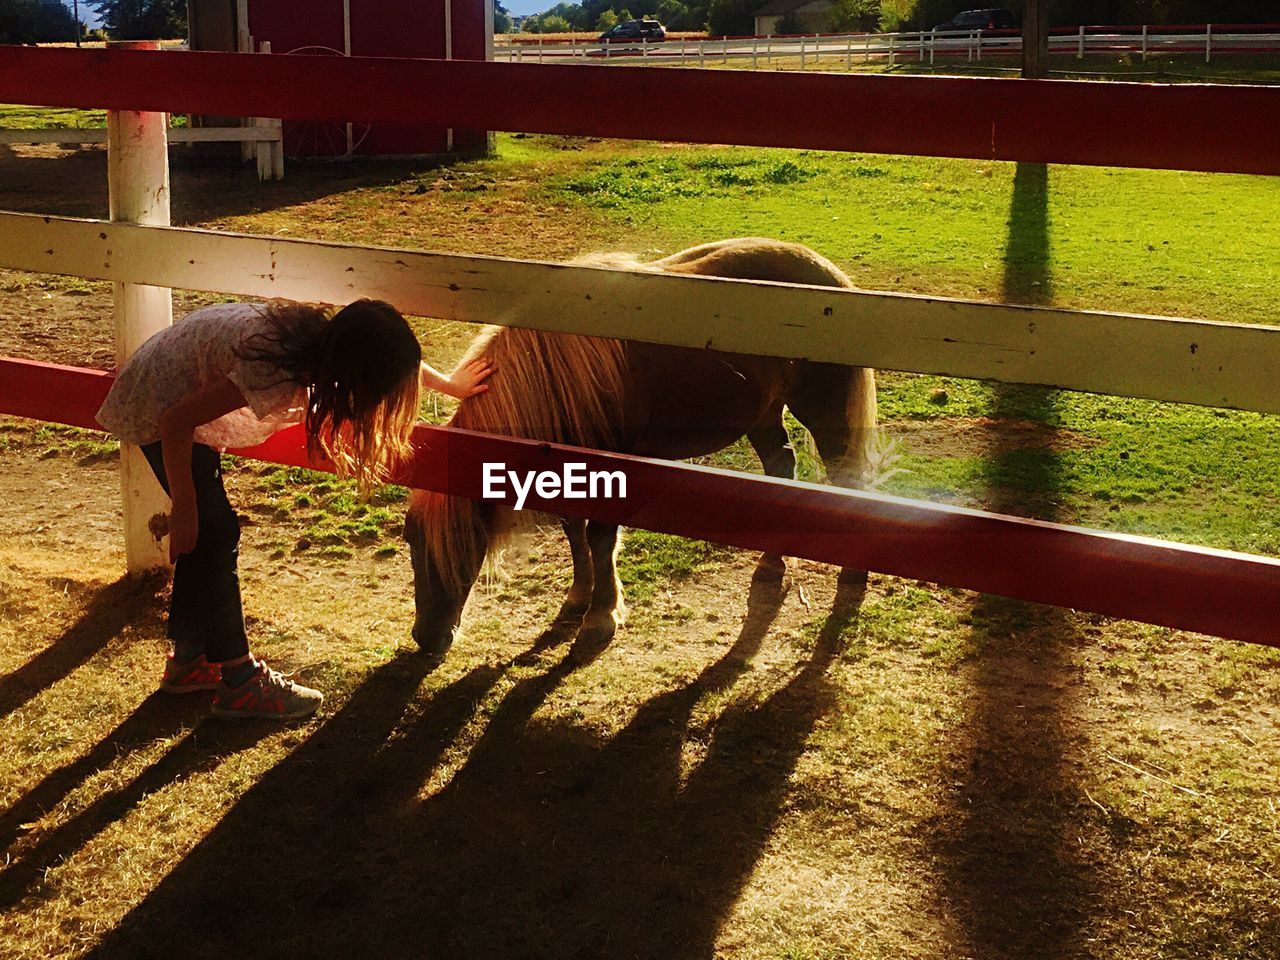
(770, 569)
(571, 613)
(592, 639)
(851, 590)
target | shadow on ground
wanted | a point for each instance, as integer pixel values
(73, 183)
(1013, 870)
(106, 613)
(545, 843)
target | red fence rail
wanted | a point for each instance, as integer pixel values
(1223, 128)
(1237, 596)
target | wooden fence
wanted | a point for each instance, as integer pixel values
(1213, 591)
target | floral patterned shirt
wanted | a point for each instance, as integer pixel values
(195, 353)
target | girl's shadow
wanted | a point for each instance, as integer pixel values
(547, 842)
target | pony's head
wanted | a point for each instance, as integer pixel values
(552, 387)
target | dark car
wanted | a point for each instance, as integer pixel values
(993, 19)
(633, 31)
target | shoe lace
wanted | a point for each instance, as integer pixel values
(274, 677)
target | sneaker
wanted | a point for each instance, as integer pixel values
(267, 694)
(197, 674)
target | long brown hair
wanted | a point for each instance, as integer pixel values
(361, 366)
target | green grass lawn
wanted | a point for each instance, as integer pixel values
(1182, 244)
(18, 117)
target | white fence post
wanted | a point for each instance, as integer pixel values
(848, 53)
(1144, 43)
(933, 44)
(1080, 45)
(802, 53)
(1208, 41)
(978, 46)
(724, 50)
(138, 186)
(922, 46)
(891, 49)
(702, 53)
(263, 150)
(755, 63)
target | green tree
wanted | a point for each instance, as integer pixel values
(36, 21)
(894, 13)
(572, 13)
(142, 19)
(501, 19)
(608, 20)
(848, 15)
(732, 17)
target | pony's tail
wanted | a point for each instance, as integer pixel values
(872, 455)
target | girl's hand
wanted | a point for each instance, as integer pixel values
(468, 379)
(183, 525)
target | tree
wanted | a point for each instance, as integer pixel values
(36, 21)
(848, 15)
(732, 17)
(608, 20)
(501, 18)
(548, 23)
(142, 19)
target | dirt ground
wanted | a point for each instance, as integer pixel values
(745, 772)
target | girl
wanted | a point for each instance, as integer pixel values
(231, 375)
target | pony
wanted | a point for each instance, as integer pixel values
(645, 399)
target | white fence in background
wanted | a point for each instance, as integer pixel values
(973, 46)
(264, 137)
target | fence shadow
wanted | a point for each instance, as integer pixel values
(545, 843)
(1011, 868)
(74, 184)
(106, 613)
(159, 717)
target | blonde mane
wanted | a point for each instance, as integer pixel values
(552, 387)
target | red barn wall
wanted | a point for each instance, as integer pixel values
(379, 28)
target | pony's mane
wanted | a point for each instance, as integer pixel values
(555, 387)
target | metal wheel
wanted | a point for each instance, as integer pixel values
(322, 139)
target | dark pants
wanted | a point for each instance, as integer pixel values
(204, 611)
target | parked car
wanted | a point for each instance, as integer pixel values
(633, 31)
(993, 19)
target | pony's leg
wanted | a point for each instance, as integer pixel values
(773, 447)
(607, 611)
(578, 598)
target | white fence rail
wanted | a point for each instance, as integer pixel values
(1161, 358)
(920, 46)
